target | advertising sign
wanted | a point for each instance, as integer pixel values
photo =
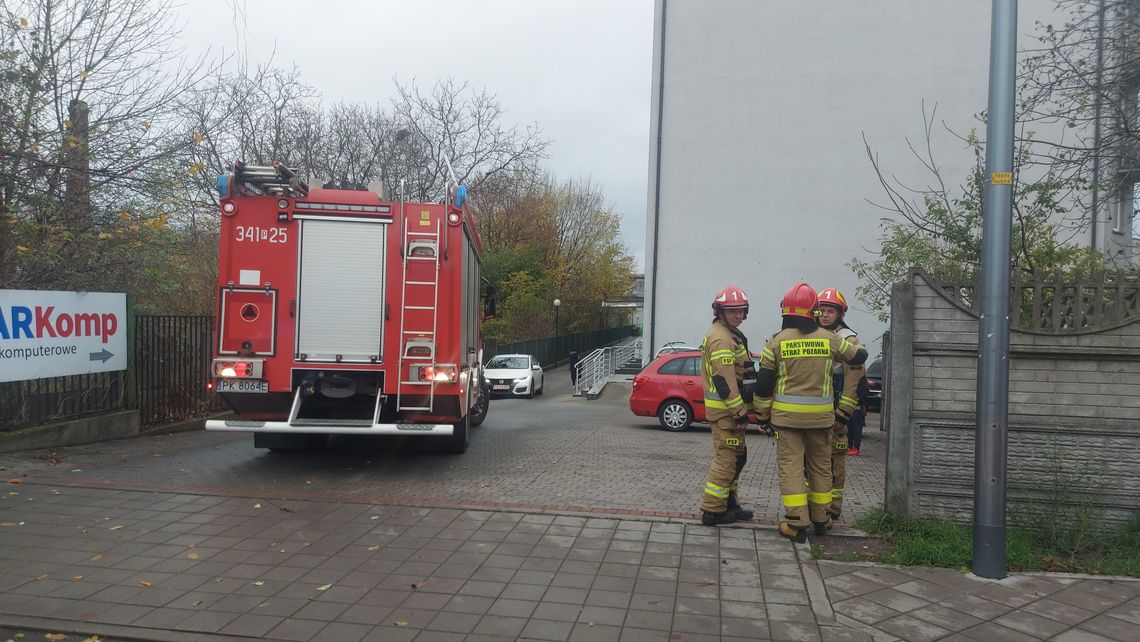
(53, 334)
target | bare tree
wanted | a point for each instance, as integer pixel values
(86, 111)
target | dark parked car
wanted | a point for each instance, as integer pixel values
(874, 400)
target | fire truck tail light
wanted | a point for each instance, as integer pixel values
(453, 218)
(229, 208)
(228, 369)
(438, 374)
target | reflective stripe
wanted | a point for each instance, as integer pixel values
(802, 408)
(735, 402)
(720, 353)
(821, 498)
(849, 401)
(837, 493)
(761, 403)
(844, 344)
(798, 499)
(735, 485)
(719, 492)
(768, 354)
(799, 403)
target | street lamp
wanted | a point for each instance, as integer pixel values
(557, 352)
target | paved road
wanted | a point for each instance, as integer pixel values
(551, 452)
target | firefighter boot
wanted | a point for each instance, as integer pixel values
(716, 519)
(735, 507)
(798, 535)
(821, 528)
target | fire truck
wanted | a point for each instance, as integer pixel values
(342, 313)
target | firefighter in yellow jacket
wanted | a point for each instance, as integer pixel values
(729, 375)
(846, 379)
(793, 391)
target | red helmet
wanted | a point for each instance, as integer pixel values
(730, 297)
(799, 301)
(832, 296)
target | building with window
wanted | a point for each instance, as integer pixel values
(765, 116)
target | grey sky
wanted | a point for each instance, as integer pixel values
(578, 68)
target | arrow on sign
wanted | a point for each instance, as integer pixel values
(102, 355)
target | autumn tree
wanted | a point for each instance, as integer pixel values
(86, 118)
(1076, 149)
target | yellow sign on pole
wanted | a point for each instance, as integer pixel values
(1002, 178)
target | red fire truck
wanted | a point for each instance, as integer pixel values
(342, 313)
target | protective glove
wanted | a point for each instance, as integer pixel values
(766, 428)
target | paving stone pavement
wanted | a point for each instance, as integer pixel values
(127, 541)
(166, 566)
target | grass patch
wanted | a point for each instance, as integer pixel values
(1085, 547)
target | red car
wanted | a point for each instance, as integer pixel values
(670, 388)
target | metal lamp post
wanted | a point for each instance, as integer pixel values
(557, 353)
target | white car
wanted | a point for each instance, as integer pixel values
(518, 375)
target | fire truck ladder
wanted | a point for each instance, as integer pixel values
(275, 179)
(416, 247)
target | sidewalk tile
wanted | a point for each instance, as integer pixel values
(975, 606)
(912, 629)
(597, 633)
(1007, 596)
(248, 625)
(844, 634)
(648, 602)
(945, 617)
(455, 622)
(1081, 635)
(1081, 597)
(469, 604)
(993, 632)
(500, 625)
(863, 610)
(1111, 626)
(559, 611)
(547, 630)
(752, 629)
(790, 613)
(572, 580)
(696, 623)
(602, 615)
(656, 620)
(206, 621)
(512, 607)
(804, 631)
(441, 636)
(1059, 611)
(895, 600)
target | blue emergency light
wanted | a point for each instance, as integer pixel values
(223, 185)
(460, 195)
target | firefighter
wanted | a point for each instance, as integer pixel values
(846, 380)
(793, 392)
(729, 375)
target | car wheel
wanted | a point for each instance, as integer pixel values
(542, 388)
(530, 393)
(675, 415)
(479, 412)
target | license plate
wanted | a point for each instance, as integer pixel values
(242, 385)
(502, 387)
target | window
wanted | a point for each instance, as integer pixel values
(673, 367)
(692, 367)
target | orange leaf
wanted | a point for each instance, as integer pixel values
(15, 481)
(144, 583)
(55, 636)
(95, 558)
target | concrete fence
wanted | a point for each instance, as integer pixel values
(1074, 395)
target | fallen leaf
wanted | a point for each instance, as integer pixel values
(308, 544)
(55, 636)
(95, 558)
(418, 584)
(191, 556)
(15, 481)
(265, 603)
(156, 454)
(372, 548)
(83, 531)
(116, 527)
(93, 638)
(198, 603)
(325, 587)
(257, 505)
(259, 583)
(77, 577)
(401, 623)
(308, 483)
(144, 583)
(42, 577)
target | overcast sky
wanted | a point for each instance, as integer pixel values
(580, 69)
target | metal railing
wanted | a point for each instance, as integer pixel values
(601, 364)
(172, 362)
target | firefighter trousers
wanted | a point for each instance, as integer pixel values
(729, 456)
(797, 450)
(838, 472)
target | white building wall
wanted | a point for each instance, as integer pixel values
(764, 177)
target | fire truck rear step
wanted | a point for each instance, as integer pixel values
(284, 427)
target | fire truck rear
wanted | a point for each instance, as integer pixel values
(342, 313)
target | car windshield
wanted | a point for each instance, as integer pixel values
(511, 363)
